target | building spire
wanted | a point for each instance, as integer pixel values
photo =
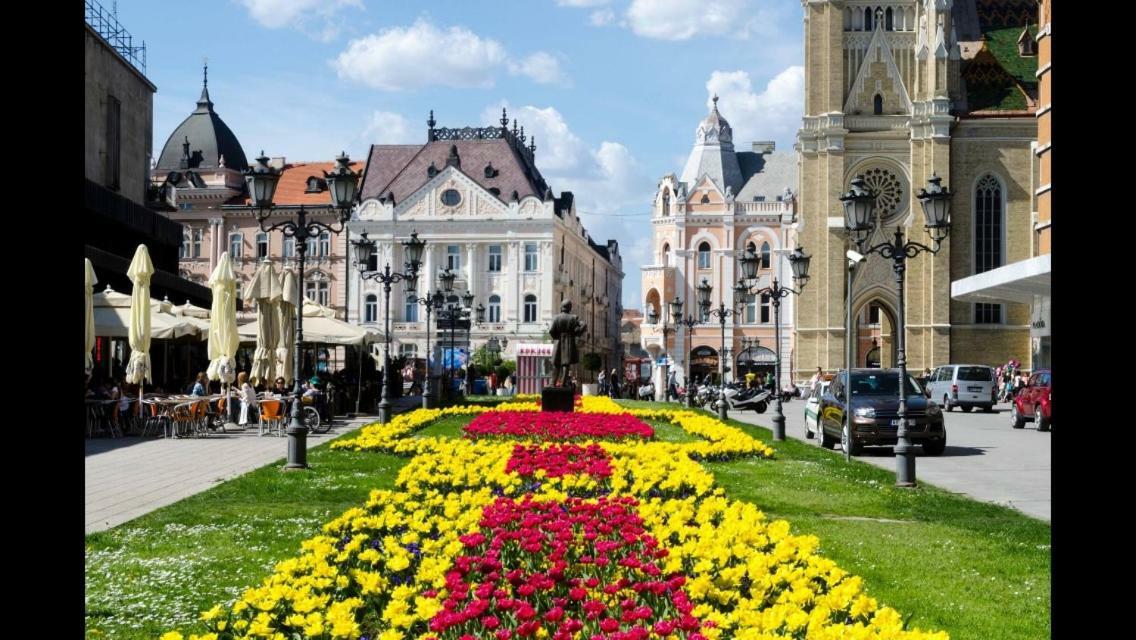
(204, 103)
(504, 119)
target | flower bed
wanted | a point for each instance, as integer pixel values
(553, 425)
(556, 461)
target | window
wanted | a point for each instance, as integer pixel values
(750, 309)
(495, 308)
(236, 242)
(878, 105)
(494, 257)
(530, 308)
(325, 244)
(312, 246)
(532, 261)
(704, 255)
(889, 24)
(666, 202)
(874, 314)
(867, 18)
(317, 291)
(451, 197)
(411, 314)
(408, 350)
(453, 257)
(183, 251)
(114, 143)
(195, 245)
(765, 262)
(666, 254)
(289, 246)
(261, 245)
(988, 231)
(705, 199)
(371, 308)
(373, 262)
(764, 308)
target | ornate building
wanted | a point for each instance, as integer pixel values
(896, 91)
(476, 197)
(724, 201)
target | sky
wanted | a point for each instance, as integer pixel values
(611, 89)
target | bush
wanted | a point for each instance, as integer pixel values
(591, 362)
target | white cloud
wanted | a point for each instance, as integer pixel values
(684, 19)
(539, 67)
(421, 55)
(581, 3)
(773, 114)
(602, 18)
(387, 127)
(558, 149)
(317, 18)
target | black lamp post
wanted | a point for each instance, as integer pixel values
(859, 207)
(342, 186)
(363, 249)
(799, 263)
(467, 306)
(688, 322)
(453, 314)
(722, 312)
(430, 301)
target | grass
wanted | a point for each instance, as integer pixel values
(972, 569)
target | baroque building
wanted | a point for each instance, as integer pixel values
(477, 198)
(896, 92)
(724, 201)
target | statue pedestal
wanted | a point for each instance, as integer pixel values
(557, 399)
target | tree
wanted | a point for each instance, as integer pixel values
(591, 362)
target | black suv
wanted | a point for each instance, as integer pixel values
(873, 405)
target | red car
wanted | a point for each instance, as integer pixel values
(1034, 402)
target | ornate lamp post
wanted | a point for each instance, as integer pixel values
(704, 291)
(343, 185)
(653, 318)
(453, 314)
(799, 263)
(430, 301)
(859, 206)
(688, 322)
(363, 249)
(467, 305)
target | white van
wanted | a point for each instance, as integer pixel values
(963, 385)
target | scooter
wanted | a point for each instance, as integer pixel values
(647, 391)
(756, 399)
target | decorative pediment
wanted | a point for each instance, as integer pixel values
(706, 191)
(878, 76)
(451, 194)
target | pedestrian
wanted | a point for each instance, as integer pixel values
(249, 404)
(602, 380)
(816, 377)
(672, 386)
(614, 384)
(493, 382)
(750, 378)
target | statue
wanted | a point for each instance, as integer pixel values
(566, 327)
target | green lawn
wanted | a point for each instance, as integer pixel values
(972, 569)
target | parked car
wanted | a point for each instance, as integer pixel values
(864, 413)
(1034, 402)
(812, 406)
(965, 386)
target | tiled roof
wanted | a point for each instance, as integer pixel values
(998, 78)
(293, 184)
(403, 169)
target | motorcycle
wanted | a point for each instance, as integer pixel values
(647, 391)
(755, 398)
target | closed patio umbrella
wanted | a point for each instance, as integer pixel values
(286, 336)
(223, 339)
(140, 271)
(265, 289)
(88, 293)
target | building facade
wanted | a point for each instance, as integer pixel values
(199, 172)
(897, 92)
(725, 201)
(629, 334)
(476, 197)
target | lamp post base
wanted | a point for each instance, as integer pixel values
(779, 424)
(384, 411)
(297, 448)
(722, 409)
(904, 466)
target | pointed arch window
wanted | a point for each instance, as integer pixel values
(666, 254)
(878, 105)
(666, 202)
(867, 18)
(889, 24)
(989, 232)
(704, 255)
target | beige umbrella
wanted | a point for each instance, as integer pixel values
(286, 336)
(90, 314)
(223, 339)
(111, 314)
(140, 271)
(265, 289)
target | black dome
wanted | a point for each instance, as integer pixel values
(209, 138)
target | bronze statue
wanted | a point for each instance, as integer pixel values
(566, 327)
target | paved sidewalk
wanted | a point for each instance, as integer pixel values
(131, 476)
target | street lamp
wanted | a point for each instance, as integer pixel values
(704, 291)
(653, 318)
(799, 263)
(453, 314)
(467, 304)
(431, 302)
(343, 185)
(859, 206)
(363, 249)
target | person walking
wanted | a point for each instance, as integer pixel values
(602, 381)
(249, 403)
(614, 384)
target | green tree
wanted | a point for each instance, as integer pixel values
(591, 362)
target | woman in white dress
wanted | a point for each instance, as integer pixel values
(248, 397)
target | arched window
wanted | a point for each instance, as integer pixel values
(666, 202)
(666, 257)
(847, 19)
(704, 255)
(867, 18)
(495, 308)
(371, 308)
(318, 290)
(889, 25)
(765, 262)
(765, 308)
(878, 105)
(989, 225)
(411, 308)
(530, 308)
(236, 243)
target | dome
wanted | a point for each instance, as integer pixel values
(201, 140)
(714, 129)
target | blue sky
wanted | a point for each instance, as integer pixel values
(612, 89)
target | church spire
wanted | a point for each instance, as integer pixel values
(204, 103)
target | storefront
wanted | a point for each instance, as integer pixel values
(703, 363)
(758, 360)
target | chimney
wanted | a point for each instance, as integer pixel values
(278, 163)
(764, 146)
